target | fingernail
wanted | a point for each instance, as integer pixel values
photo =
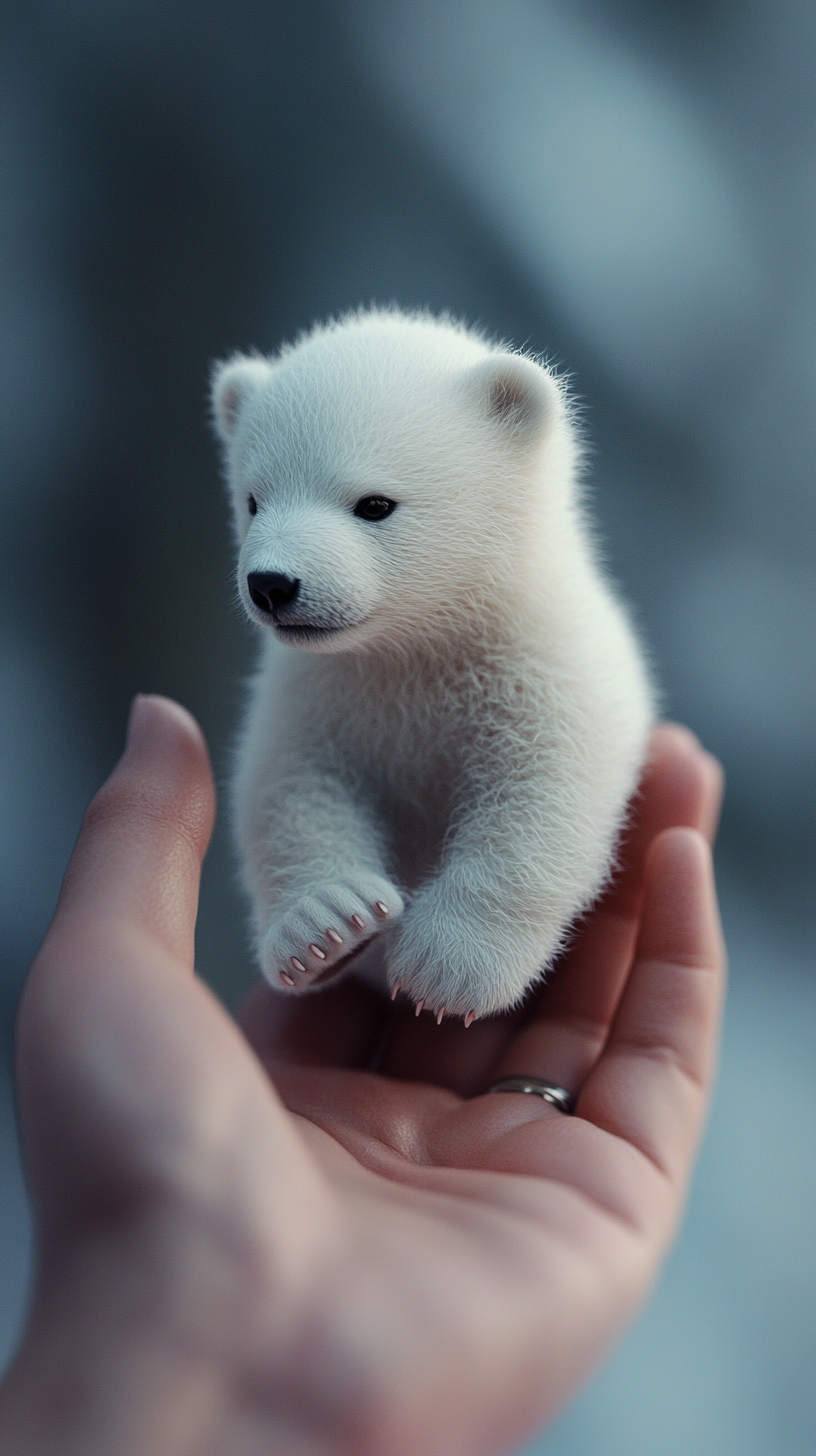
(440, 1013)
(395, 990)
(418, 1007)
(334, 937)
(286, 978)
(382, 907)
(137, 719)
(150, 714)
(316, 951)
(298, 965)
(470, 1018)
(358, 921)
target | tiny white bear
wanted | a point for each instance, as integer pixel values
(451, 708)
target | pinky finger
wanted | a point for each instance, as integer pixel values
(651, 1084)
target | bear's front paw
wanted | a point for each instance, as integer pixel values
(314, 939)
(452, 957)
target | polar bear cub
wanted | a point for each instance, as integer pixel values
(451, 709)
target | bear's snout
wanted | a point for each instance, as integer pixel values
(270, 590)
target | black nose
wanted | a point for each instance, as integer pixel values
(270, 591)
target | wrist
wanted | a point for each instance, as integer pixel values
(97, 1376)
(136, 1406)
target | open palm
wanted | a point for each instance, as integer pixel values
(373, 1257)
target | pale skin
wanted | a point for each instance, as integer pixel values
(250, 1243)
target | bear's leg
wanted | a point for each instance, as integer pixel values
(514, 875)
(469, 950)
(314, 865)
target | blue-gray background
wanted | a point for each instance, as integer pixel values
(628, 187)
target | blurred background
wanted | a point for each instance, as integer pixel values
(628, 186)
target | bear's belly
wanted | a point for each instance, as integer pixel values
(416, 834)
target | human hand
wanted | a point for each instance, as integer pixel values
(395, 1264)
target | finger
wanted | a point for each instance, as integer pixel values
(351, 1025)
(652, 1082)
(447, 1055)
(132, 1078)
(138, 858)
(339, 1027)
(571, 1015)
(681, 784)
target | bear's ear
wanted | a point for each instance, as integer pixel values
(233, 383)
(515, 392)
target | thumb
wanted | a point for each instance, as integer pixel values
(138, 858)
(136, 1092)
(125, 920)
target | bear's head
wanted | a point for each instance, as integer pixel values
(388, 475)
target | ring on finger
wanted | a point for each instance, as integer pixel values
(535, 1087)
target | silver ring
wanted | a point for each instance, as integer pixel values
(533, 1085)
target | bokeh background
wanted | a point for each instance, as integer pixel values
(628, 186)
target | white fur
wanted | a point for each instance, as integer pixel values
(462, 742)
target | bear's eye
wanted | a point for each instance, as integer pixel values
(252, 506)
(374, 508)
